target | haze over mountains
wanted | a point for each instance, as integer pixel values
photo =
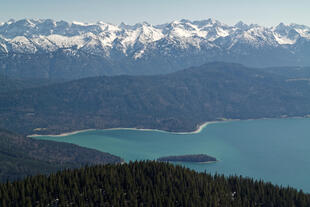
(54, 50)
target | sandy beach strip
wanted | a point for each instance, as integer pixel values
(61, 135)
(198, 130)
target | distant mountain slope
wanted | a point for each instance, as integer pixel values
(11, 84)
(297, 73)
(59, 49)
(21, 156)
(174, 102)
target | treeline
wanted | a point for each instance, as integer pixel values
(146, 184)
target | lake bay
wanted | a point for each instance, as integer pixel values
(275, 150)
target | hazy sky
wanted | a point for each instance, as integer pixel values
(263, 12)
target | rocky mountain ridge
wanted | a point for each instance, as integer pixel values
(143, 48)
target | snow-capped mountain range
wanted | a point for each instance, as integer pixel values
(156, 48)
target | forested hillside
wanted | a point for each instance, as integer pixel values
(174, 102)
(21, 156)
(146, 184)
(8, 84)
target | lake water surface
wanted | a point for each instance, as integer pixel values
(276, 150)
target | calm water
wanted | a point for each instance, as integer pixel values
(276, 150)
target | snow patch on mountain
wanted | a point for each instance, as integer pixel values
(136, 41)
(284, 40)
(80, 23)
(66, 42)
(21, 44)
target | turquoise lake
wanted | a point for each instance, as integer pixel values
(275, 150)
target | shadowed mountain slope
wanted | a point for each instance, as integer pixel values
(175, 102)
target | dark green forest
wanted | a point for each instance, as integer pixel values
(21, 156)
(147, 183)
(188, 158)
(174, 102)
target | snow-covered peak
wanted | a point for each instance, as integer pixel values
(207, 23)
(302, 30)
(10, 21)
(241, 25)
(209, 30)
(280, 28)
(179, 29)
(140, 33)
(81, 23)
(285, 34)
(33, 35)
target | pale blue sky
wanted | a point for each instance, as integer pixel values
(263, 12)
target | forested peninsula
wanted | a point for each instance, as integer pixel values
(188, 158)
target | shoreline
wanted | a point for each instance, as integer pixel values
(208, 162)
(180, 162)
(198, 130)
(62, 134)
